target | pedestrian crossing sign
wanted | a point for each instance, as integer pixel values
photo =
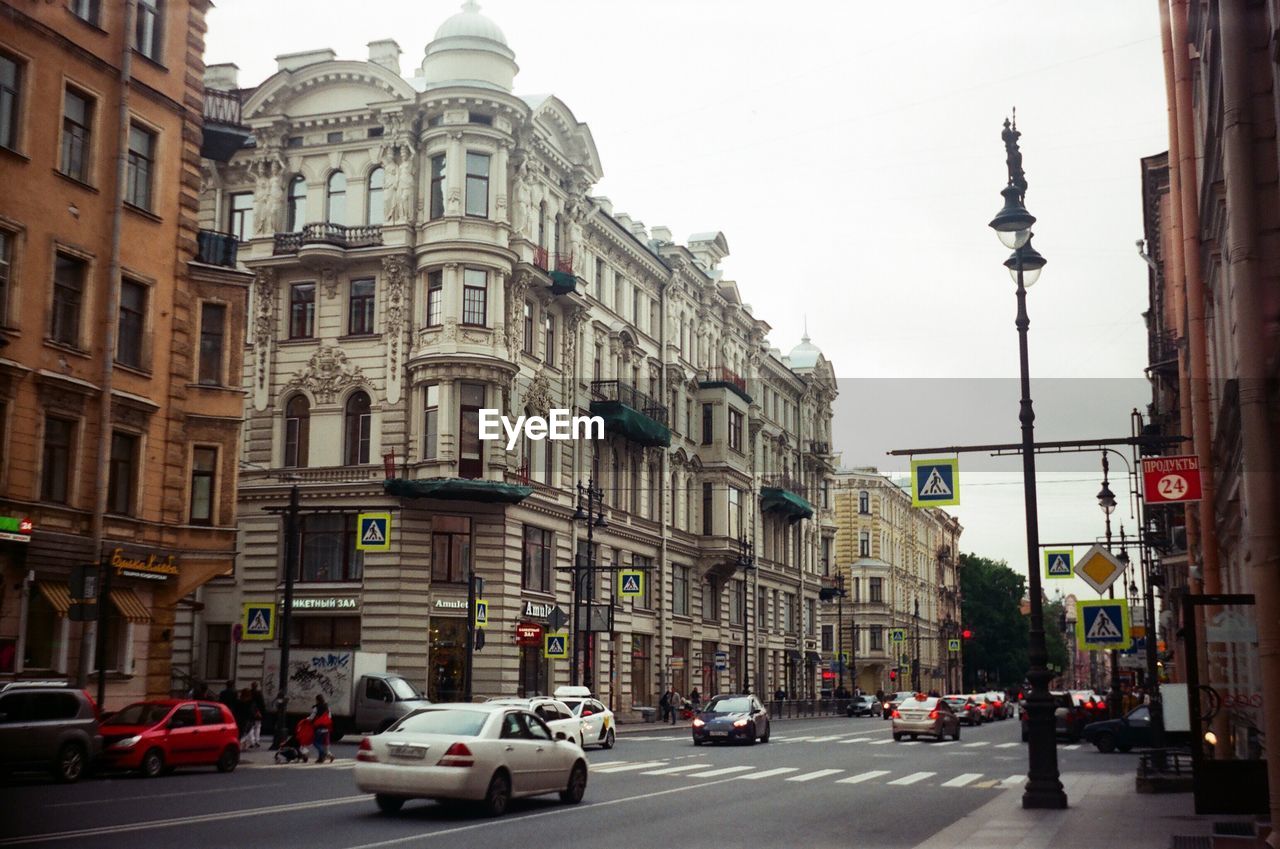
(373, 532)
(632, 584)
(482, 613)
(897, 635)
(1058, 563)
(555, 646)
(1103, 624)
(953, 644)
(935, 483)
(258, 620)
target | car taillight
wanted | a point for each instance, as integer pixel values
(933, 714)
(1088, 705)
(895, 714)
(457, 755)
(998, 704)
(365, 752)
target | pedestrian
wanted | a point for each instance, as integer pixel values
(664, 705)
(780, 695)
(243, 712)
(229, 696)
(259, 710)
(323, 722)
(677, 702)
(695, 698)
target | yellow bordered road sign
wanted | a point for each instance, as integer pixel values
(482, 613)
(555, 646)
(1058, 562)
(373, 532)
(953, 645)
(258, 620)
(1103, 624)
(935, 483)
(631, 583)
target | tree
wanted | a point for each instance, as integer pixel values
(991, 608)
(1055, 639)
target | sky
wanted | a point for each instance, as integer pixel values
(851, 154)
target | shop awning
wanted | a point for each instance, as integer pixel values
(784, 501)
(458, 489)
(813, 657)
(57, 594)
(793, 654)
(562, 282)
(631, 423)
(130, 606)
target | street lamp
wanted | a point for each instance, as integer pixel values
(746, 562)
(1013, 225)
(584, 574)
(1107, 501)
(915, 653)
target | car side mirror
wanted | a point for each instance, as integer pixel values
(560, 735)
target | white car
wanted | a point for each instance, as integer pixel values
(554, 712)
(597, 720)
(490, 753)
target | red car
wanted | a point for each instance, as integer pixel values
(159, 736)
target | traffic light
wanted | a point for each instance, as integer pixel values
(967, 634)
(893, 675)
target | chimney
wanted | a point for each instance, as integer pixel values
(661, 234)
(385, 53)
(606, 205)
(224, 77)
(294, 61)
(638, 230)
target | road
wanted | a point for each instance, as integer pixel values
(819, 783)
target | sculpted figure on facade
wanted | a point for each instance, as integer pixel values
(326, 373)
(268, 193)
(399, 175)
(264, 319)
(522, 212)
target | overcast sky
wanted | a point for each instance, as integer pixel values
(851, 153)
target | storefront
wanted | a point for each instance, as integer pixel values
(325, 622)
(535, 669)
(447, 650)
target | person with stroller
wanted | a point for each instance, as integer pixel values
(323, 723)
(298, 746)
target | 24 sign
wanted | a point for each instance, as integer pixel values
(1171, 480)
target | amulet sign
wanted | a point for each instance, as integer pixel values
(1171, 480)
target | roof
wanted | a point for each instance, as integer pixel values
(469, 23)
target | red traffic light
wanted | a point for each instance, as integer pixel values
(966, 633)
(893, 674)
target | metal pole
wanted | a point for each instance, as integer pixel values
(471, 632)
(286, 615)
(104, 598)
(1113, 697)
(1153, 632)
(840, 629)
(590, 587)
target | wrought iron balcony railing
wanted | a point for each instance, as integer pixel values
(540, 258)
(564, 263)
(222, 107)
(213, 248)
(326, 233)
(625, 393)
(787, 482)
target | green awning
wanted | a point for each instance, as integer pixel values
(562, 282)
(631, 423)
(786, 502)
(458, 489)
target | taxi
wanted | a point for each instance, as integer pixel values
(597, 720)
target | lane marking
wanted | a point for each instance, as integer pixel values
(976, 745)
(712, 773)
(912, 778)
(962, 780)
(1006, 745)
(151, 796)
(629, 767)
(863, 776)
(909, 742)
(855, 740)
(818, 773)
(882, 742)
(1072, 747)
(795, 739)
(770, 773)
(945, 743)
(826, 739)
(995, 782)
(673, 769)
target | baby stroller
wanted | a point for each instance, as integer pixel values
(687, 710)
(298, 746)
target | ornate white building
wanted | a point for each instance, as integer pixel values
(426, 247)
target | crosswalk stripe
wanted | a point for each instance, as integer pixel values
(1005, 745)
(962, 780)
(1014, 780)
(794, 739)
(911, 742)
(673, 769)
(986, 784)
(818, 773)
(945, 743)
(881, 742)
(712, 773)
(826, 739)
(863, 776)
(976, 745)
(1072, 747)
(854, 740)
(629, 767)
(770, 773)
(912, 778)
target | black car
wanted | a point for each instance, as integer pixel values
(1132, 731)
(863, 706)
(729, 718)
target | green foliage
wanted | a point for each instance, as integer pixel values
(991, 607)
(1055, 640)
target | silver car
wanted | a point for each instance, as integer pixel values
(925, 715)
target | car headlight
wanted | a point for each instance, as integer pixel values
(740, 723)
(127, 742)
(698, 723)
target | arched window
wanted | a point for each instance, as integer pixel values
(357, 425)
(297, 203)
(373, 204)
(335, 199)
(864, 502)
(617, 480)
(297, 431)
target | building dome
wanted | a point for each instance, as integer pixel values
(469, 49)
(804, 355)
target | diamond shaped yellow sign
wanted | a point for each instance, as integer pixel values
(1099, 568)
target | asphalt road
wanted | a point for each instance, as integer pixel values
(819, 783)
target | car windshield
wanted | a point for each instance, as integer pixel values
(461, 723)
(403, 689)
(142, 713)
(574, 704)
(738, 704)
(920, 704)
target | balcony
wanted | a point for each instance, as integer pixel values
(325, 233)
(785, 495)
(722, 378)
(213, 248)
(632, 413)
(820, 449)
(224, 133)
(540, 261)
(563, 280)
(1162, 352)
(458, 489)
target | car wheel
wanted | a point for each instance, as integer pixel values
(767, 731)
(71, 763)
(697, 742)
(608, 739)
(955, 735)
(897, 738)
(152, 763)
(497, 796)
(572, 794)
(230, 757)
(389, 804)
(1105, 742)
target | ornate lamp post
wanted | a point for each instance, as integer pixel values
(1013, 225)
(1107, 501)
(746, 562)
(583, 574)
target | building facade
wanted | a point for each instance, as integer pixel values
(899, 564)
(120, 399)
(426, 247)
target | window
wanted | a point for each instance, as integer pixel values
(335, 199)
(680, 590)
(360, 308)
(735, 430)
(68, 297)
(217, 653)
(334, 137)
(655, 322)
(437, 185)
(706, 509)
(788, 612)
(302, 310)
(600, 280)
(828, 639)
(435, 297)
(597, 363)
(450, 549)
(708, 421)
(297, 211)
(204, 465)
(10, 88)
(77, 123)
(875, 590)
(327, 548)
(636, 298)
(877, 638)
(55, 473)
(478, 185)
(737, 601)
(431, 422)
(147, 30)
(864, 543)
(6, 267)
(373, 198)
(213, 328)
(528, 328)
(297, 431)
(470, 448)
(131, 324)
(549, 324)
(688, 417)
(810, 616)
(711, 600)
(735, 512)
(826, 556)
(142, 154)
(123, 473)
(643, 564)
(86, 10)
(325, 632)
(538, 553)
(475, 294)
(864, 502)
(357, 423)
(293, 141)
(240, 216)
